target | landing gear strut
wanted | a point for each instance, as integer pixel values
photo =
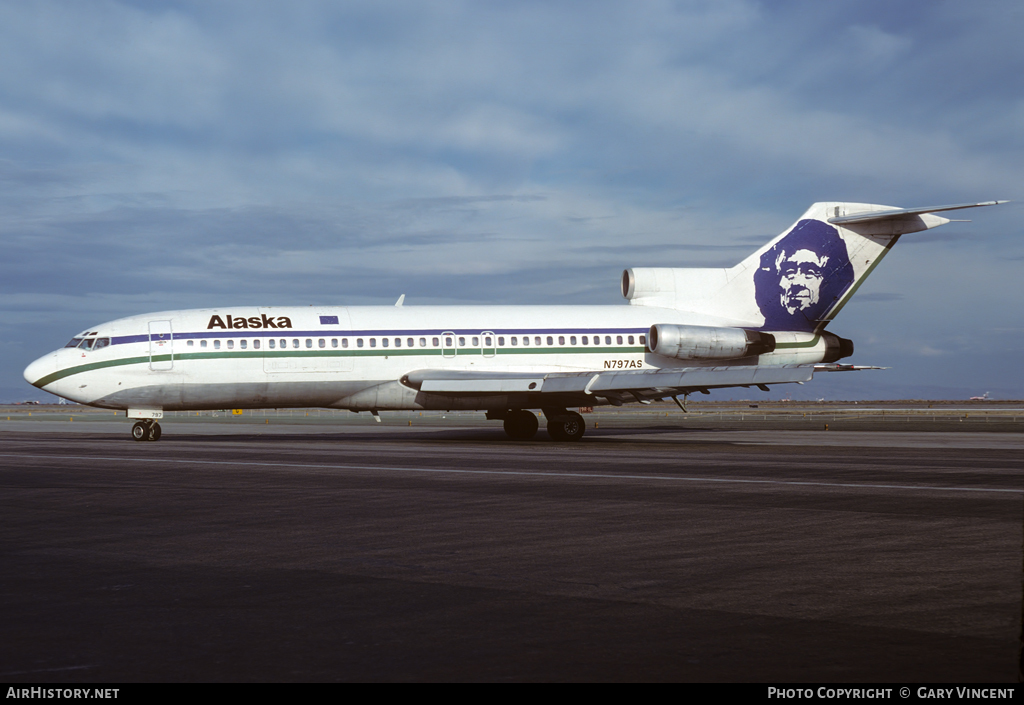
(147, 430)
(565, 425)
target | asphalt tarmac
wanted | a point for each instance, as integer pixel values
(445, 552)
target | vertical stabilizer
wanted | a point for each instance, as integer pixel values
(798, 281)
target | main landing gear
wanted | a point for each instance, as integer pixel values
(563, 425)
(521, 425)
(147, 430)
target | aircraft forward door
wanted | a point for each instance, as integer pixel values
(161, 346)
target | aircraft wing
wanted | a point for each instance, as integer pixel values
(615, 385)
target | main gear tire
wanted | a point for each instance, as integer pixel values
(521, 425)
(568, 427)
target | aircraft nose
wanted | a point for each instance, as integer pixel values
(40, 369)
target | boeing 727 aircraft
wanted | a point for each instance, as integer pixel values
(761, 322)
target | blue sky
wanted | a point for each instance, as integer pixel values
(175, 155)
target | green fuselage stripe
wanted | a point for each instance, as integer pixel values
(67, 372)
(284, 354)
(806, 344)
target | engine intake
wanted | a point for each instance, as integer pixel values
(708, 343)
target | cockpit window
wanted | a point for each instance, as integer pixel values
(103, 342)
(87, 344)
(75, 342)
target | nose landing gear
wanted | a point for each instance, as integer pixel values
(147, 430)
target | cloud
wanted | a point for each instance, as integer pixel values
(160, 155)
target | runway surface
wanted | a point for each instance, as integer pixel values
(240, 552)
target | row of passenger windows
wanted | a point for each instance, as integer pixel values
(449, 341)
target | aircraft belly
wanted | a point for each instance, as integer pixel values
(232, 395)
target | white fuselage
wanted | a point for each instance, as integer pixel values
(354, 357)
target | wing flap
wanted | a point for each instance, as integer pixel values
(696, 378)
(602, 383)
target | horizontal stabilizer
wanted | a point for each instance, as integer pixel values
(836, 367)
(888, 214)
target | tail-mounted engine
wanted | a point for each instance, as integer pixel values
(708, 343)
(836, 348)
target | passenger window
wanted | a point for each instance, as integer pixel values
(526, 340)
(409, 342)
(618, 340)
(334, 342)
(436, 342)
(359, 343)
(476, 341)
(256, 344)
(462, 342)
(487, 341)
(572, 340)
(271, 343)
(309, 342)
(216, 345)
(344, 342)
(242, 344)
(384, 342)
(586, 340)
(423, 342)
(283, 344)
(295, 342)
(373, 342)
(322, 343)
(398, 342)
(643, 340)
(231, 345)
(189, 343)
(607, 340)
(630, 340)
(202, 343)
(536, 340)
(448, 342)
(501, 341)
(561, 340)
(515, 340)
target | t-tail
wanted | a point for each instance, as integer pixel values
(797, 282)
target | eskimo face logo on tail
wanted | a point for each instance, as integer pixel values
(802, 276)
